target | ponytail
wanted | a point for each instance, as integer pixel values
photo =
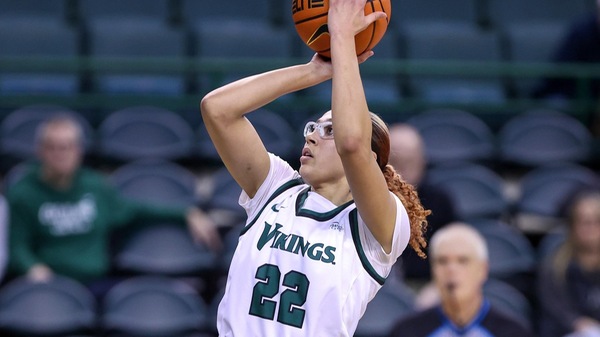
(417, 214)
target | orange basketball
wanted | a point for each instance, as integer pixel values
(310, 19)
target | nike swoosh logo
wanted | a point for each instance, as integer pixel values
(277, 207)
(323, 29)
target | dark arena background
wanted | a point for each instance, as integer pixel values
(510, 123)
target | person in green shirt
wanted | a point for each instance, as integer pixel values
(62, 214)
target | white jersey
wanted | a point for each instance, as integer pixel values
(303, 266)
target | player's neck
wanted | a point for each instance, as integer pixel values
(338, 193)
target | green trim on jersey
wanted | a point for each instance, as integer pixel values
(359, 249)
(281, 189)
(316, 215)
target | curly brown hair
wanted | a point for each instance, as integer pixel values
(417, 214)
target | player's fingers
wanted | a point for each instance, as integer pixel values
(370, 18)
(365, 56)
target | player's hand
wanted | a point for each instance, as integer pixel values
(348, 17)
(365, 56)
(203, 229)
(322, 66)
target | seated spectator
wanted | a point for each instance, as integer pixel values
(62, 215)
(569, 279)
(407, 155)
(459, 262)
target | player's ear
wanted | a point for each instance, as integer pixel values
(374, 155)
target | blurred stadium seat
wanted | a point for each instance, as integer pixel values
(194, 10)
(238, 39)
(129, 38)
(539, 137)
(392, 302)
(454, 135)
(33, 36)
(441, 42)
(545, 190)
(504, 12)
(90, 10)
(144, 132)
(528, 42)
(164, 249)
(512, 257)
(550, 242)
(153, 306)
(157, 181)
(476, 190)
(380, 85)
(56, 9)
(58, 307)
(405, 12)
(230, 242)
(224, 197)
(510, 300)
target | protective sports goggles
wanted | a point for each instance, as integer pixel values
(325, 129)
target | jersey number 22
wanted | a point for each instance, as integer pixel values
(291, 299)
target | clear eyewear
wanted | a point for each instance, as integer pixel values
(325, 129)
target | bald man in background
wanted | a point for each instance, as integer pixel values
(458, 256)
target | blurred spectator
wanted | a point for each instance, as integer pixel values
(581, 44)
(62, 215)
(459, 262)
(569, 279)
(408, 158)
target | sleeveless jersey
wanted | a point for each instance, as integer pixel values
(303, 266)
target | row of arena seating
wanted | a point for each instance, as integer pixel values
(479, 192)
(138, 306)
(474, 12)
(522, 175)
(529, 139)
(208, 37)
(157, 305)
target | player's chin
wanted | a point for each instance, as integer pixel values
(304, 170)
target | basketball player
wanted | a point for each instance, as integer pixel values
(318, 243)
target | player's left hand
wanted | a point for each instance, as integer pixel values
(348, 16)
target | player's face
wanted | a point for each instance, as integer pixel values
(458, 271)
(586, 223)
(320, 162)
(60, 150)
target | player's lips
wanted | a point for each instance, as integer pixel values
(306, 154)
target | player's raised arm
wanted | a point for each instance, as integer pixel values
(352, 122)
(236, 140)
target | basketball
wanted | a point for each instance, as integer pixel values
(310, 20)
